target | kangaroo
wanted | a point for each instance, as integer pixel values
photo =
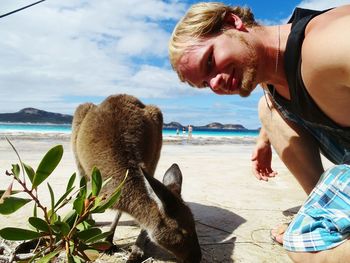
(123, 134)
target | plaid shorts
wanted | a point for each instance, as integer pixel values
(323, 222)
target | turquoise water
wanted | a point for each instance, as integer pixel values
(52, 128)
(211, 132)
(40, 128)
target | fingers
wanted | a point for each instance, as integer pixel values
(270, 172)
(256, 170)
(262, 173)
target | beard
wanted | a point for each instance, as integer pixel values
(248, 80)
(249, 72)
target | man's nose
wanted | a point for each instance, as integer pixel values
(217, 83)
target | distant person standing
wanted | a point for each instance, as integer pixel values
(190, 132)
(177, 132)
(183, 139)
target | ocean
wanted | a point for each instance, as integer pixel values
(34, 128)
(56, 128)
(214, 133)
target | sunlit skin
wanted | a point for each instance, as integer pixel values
(234, 62)
(227, 68)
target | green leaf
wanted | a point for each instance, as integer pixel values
(15, 234)
(97, 201)
(86, 224)
(29, 171)
(96, 181)
(47, 258)
(11, 204)
(15, 150)
(83, 188)
(89, 233)
(113, 198)
(64, 227)
(35, 210)
(56, 230)
(52, 197)
(108, 203)
(64, 196)
(78, 204)
(71, 181)
(39, 224)
(52, 216)
(48, 164)
(15, 170)
(99, 237)
(70, 218)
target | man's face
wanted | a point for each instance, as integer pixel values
(226, 63)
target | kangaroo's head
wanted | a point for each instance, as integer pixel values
(175, 231)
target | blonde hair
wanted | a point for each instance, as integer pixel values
(203, 20)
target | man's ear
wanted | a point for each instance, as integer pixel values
(233, 20)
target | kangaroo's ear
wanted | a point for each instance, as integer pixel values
(173, 179)
(165, 199)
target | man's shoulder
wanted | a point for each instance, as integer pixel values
(327, 37)
(326, 55)
(333, 21)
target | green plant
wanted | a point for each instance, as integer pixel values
(75, 233)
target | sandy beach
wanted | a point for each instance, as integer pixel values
(234, 211)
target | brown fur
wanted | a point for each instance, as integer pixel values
(122, 133)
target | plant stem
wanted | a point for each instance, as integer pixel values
(80, 219)
(44, 209)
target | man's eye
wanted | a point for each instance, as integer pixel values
(210, 61)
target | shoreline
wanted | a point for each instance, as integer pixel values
(167, 139)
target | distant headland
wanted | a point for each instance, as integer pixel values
(32, 115)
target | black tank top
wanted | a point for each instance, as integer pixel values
(334, 140)
(300, 102)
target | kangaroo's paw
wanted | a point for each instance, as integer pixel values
(136, 255)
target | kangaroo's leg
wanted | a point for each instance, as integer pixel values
(137, 252)
(112, 229)
(79, 116)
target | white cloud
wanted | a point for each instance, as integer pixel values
(63, 48)
(322, 4)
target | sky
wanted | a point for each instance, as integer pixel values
(61, 53)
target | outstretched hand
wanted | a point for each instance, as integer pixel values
(261, 161)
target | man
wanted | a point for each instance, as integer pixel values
(304, 66)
